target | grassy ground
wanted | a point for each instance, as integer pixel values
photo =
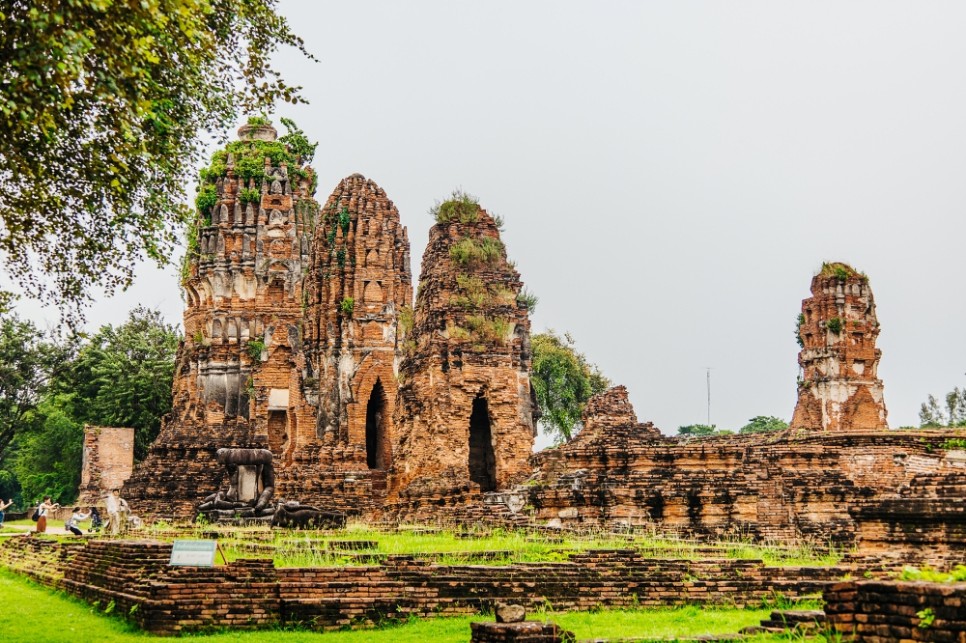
(310, 549)
(34, 613)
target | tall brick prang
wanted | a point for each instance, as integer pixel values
(465, 417)
(839, 389)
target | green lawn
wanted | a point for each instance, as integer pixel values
(34, 613)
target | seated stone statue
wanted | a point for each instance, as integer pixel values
(229, 504)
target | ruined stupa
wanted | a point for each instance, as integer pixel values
(839, 389)
(466, 408)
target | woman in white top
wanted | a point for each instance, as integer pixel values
(42, 509)
(72, 524)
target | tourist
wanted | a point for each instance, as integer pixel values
(110, 501)
(72, 523)
(117, 512)
(3, 508)
(96, 521)
(42, 509)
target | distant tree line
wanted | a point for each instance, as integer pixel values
(757, 424)
(51, 386)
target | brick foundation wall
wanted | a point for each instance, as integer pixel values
(876, 611)
(253, 594)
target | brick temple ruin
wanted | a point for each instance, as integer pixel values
(302, 337)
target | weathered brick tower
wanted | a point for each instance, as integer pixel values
(358, 285)
(465, 413)
(234, 384)
(839, 389)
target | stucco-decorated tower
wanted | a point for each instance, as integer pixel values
(465, 413)
(242, 277)
(839, 389)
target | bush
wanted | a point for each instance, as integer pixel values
(206, 199)
(461, 207)
(255, 349)
(346, 305)
(469, 251)
(834, 325)
(249, 195)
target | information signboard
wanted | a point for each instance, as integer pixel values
(193, 553)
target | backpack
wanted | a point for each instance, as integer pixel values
(36, 515)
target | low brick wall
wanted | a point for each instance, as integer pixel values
(135, 575)
(526, 632)
(876, 611)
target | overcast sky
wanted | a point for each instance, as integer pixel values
(671, 174)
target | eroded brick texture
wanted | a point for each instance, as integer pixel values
(839, 389)
(465, 413)
(108, 460)
(359, 284)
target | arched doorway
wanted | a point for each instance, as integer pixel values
(482, 460)
(376, 439)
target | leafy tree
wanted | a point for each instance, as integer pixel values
(122, 376)
(28, 359)
(49, 451)
(563, 380)
(696, 430)
(101, 106)
(764, 424)
(931, 414)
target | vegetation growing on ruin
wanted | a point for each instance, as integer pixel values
(255, 349)
(528, 300)
(563, 380)
(835, 325)
(841, 271)
(472, 293)
(406, 319)
(469, 251)
(347, 305)
(256, 121)
(206, 200)
(930, 575)
(799, 322)
(249, 195)
(460, 207)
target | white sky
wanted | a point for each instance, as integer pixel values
(671, 173)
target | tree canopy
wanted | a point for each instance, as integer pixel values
(28, 361)
(102, 104)
(951, 413)
(764, 424)
(563, 380)
(120, 376)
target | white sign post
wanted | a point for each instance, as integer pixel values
(193, 553)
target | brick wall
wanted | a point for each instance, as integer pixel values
(253, 594)
(897, 611)
(108, 461)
